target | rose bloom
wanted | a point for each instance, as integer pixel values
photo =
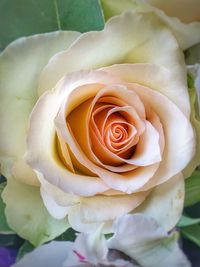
(100, 122)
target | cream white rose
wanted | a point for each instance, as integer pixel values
(110, 132)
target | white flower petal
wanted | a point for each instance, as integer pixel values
(52, 255)
(142, 239)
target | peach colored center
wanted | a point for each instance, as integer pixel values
(113, 129)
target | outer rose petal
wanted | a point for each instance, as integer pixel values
(187, 34)
(27, 215)
(196, 124)
(55, 200)
(158, 78)
(20, 66)
(187, 11)
(75, 219)
(101, 208)
(165, 202)
(131, 37)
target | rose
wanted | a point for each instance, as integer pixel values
(149, 247)
(75, 178)
(119, 135)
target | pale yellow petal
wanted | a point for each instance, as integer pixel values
(178, 131)
(165, 202)
(129, 38)
(76, 222)
(187, 11)
(104, 208)
(181, 17)
(158, 78)
(20, 66)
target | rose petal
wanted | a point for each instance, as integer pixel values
(187, 11)
(165, 203)
(128, 182)
(55, 210)
(74, 218)
(157, 78)
(131, 37)
(181, 12)
(178, 152)
(55, 200)
(23, 60)
(27, 216)
(101, 208)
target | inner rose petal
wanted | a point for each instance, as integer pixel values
(125, 136)
(111, 123)
(79, 125)
(100, 147)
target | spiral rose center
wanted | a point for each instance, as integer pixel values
(111, 124)
(115, 130)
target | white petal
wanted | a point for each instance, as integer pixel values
(142, 239)
(52, 255)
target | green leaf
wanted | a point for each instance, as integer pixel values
(28, 17)
(187, 221)
(192, 55)
(24, 249)
(69, 235)
(10, 241)
(192, 189)
(4, 228)
(27, 215)
(192, 233)
(2, 179)
(190, 81)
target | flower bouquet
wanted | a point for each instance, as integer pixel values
(100, 133)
